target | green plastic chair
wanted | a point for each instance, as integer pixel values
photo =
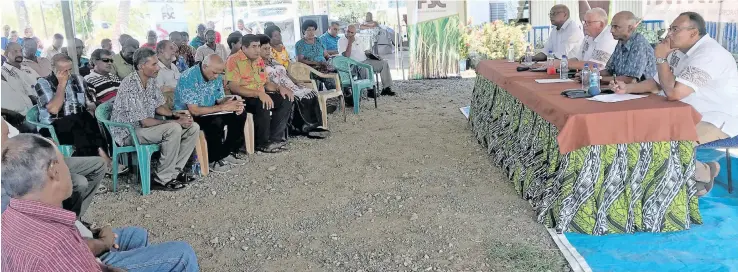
(32, 118)
(143, 151)
(345, 67)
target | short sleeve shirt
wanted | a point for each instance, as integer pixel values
(633, 58)
(193, 89)
(711, 72)
(203, 51)
(566, 40)
(311, 52)
(329, 42)
(75, 97)
(598, 49)
(133, 104)
(281, 57)
(168, 76)
(356, 53)
(245, 72)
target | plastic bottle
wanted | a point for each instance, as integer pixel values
(528, 61)
(511, 53)
(564, 68)
(594, 81)
(585, 77)
(550, 69)
(195, 171)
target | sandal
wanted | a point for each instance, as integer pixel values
(172, 185)
(714, 169)
(272, 148)
(319, 133)
(707, 188)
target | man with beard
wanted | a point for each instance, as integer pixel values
(123, 62)
(55, 47)
(35, 66)
(185, 54)
(18, 94)
(200, 39)
(168, 75)
(100, 78)
(211, 47)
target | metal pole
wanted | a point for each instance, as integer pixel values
(399, 30)
(202, 11)
(68, 15)
(233, 17)
(720, 25)
(43, 19)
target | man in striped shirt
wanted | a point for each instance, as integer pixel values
(101, 79)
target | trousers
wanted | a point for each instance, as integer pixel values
(220, 143)
(269, 125)
(177, 144)
(134, 253)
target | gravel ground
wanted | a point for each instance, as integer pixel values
(401, 188)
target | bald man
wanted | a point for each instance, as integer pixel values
(566, 38)
(598, 43)
(200, 91)
(633, 59)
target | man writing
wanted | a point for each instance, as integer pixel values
(566, 38)
(349, 48)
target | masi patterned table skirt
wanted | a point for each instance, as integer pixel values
(601, 189)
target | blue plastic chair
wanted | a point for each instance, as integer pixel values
(32, 118)
(727, 144)
(345, 68)
(143, 151)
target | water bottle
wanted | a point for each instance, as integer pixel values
(585, 77)
(511, 53)
(564, 68)
(528, 61)
(195, 171)
(550, 69)
(594, 81)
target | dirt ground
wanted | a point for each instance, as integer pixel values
(404, 187)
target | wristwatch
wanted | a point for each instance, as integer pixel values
(660, 60)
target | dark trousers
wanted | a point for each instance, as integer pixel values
(213, 126)
(81, 131)
(269, 128)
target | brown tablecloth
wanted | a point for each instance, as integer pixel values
(583, 123)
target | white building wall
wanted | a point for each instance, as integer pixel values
(541, 8)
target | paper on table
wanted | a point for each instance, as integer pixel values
(612, 98)
(553, 80)
(217, 113)
(465, 111)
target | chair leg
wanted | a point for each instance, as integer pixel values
(248, 133)
(144, 167)
(201, 149)
(730, 171)
(115, 173)
(357, 99)
(322, 101)
(343, 105)
(376, 89)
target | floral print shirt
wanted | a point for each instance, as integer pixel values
(247, 73)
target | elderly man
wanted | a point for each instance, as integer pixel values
(100, 78)
(350, 48)
(633, 58)
(211, 47)
(139, 100)
(598, 44)
(150, 40)
(200, 39)
(200, 91)
(166, 79)
(38, 190)
(55, 47)
(330, 38)
(247, 78)
(35, 66)
(566, 38)
(697, 70)
(107, 44)
(123, 62)
(18, 93)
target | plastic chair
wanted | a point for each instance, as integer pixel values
(143, 151)
(301, 72)
(345, 67)
(32, 118)
(727, 144)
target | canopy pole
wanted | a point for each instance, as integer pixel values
(67, 15)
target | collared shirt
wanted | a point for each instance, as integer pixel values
(356, 53)
(329, 42)
(168, 76)
(39, 68)
(51, 52)
(121, 67)
(311, 52)
(195, 89)
(17, 86)
(205, 50)
(106, 86)
(711, 72)
(282, 57)
(75, 97)
(197, 42)
(633, 58)
(247, 73)
(598, 49)
(566, 40)
(133, 104)
(39, 237)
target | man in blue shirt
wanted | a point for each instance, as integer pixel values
(200, 39)
(200, 91)
(6, 36)
(633, 59)
(330, 38)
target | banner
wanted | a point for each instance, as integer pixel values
(434, 32)
(168, 16)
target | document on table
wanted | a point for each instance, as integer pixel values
(217, 113)
(612, 98)
(553, 80)
(465, 111)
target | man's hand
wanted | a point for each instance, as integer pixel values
(183, 119)
(107, 236)
(351, 39)
(63, 76)
(287, 93)
(266, 101)
(231, 105)
(618, 86)
(663, 49)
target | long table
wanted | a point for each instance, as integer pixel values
(585, 166)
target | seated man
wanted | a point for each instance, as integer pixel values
(84, 63)
(697, 70)
(211, 47)
(18, 94)
(123, 61)
(234, 42)
(349, 48)
(166, 79)
(55, 47)
(100, 78)
(107, 44)
(369, 22)
(598, 44)
(329, 39)
(139, 100)
(38, 190)
(246, 78)
(185, 54)
(633, 58)
(566, 38)
(200, 91)
(33, 65)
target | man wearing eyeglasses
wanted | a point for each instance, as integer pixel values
(101, 79)
(598, 44)
(566, 38)
(697, 70)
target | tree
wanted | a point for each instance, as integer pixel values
(124, 13)
(83, 17)
(23, 19)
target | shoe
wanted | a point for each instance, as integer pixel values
(219, 167)
(159, 185)
(185, 178)
(122, 169)
(388, 91)
(370, 93)
(234, 161)
(349, 102)
(271, 148)
(331, 108)
(319, 133)
(283, 145)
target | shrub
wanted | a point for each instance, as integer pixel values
(492, 40)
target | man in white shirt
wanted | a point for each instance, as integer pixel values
(350, 48)
(210, 47)
(18, 93)
(166, 80)
(566, 38)
(697, 70)
(55, 47)
(598, 45)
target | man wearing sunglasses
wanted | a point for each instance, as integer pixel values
(100, 78)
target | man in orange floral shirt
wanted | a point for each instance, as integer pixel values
(271, 108)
